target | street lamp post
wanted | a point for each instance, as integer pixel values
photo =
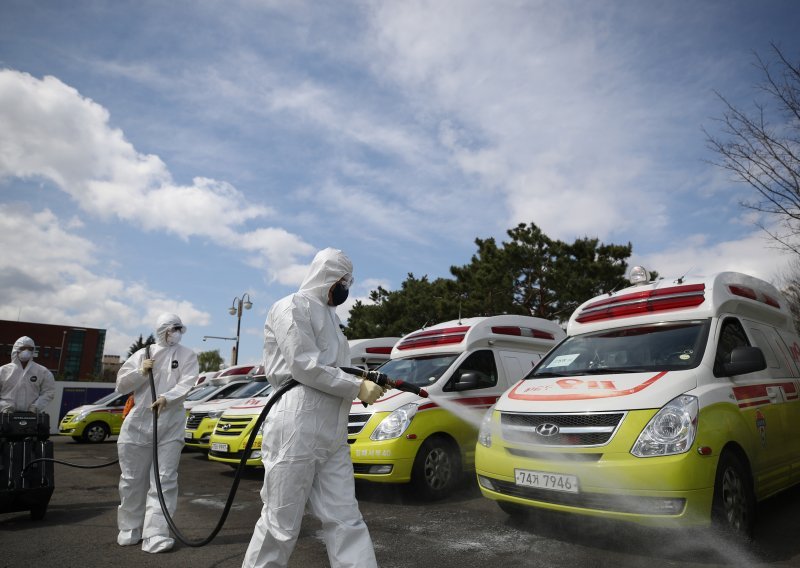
(236, 310)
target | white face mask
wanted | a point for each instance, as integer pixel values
(25, 356)
(174, 337)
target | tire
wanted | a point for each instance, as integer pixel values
(514, 510)
(437, 469)
(96, 432)
(733, 509)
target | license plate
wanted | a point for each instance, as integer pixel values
(218, 447)
(546, 480)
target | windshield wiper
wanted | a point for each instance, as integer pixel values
(547, 375)
(607, 370)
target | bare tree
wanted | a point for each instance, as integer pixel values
(764, 154)
(789, 285)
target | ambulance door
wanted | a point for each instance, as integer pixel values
(760, 407)
(787, 347)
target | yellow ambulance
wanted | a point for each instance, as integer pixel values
(670, 403)
(95, 422)
(465, 365)
(232, 430)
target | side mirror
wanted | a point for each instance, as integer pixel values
(744, 360)
(467, 381)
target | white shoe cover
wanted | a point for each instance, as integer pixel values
(127, 538)
(157, 544)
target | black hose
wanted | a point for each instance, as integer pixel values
(62, 462)
(242, 464)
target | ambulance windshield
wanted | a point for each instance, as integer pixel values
(420, 371)
(669, 346)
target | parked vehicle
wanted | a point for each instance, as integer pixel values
(203, 417)
(229, 438)
(371, 353)
(219, 387)
(95, 422)
(668, 404)
(465, 366)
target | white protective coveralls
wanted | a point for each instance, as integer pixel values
(305, 452)
(175, 370)
(28, 389)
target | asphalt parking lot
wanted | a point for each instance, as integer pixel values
(464, 531)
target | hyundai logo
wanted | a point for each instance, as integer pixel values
(225, 427)
(547, 429)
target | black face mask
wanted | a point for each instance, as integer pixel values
(339, 294)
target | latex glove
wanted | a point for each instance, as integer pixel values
(369, 392)
(147, 365)
(34, 409)
(9, 408)
(160, 404)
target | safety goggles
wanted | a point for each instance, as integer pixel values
(346, 281)
(26, 348)
(180, 328)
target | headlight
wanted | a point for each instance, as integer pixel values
(395, 424)
(671, 430)
(485, 432)
(216, 414)
(81, 415)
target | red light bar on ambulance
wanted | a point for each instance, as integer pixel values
(379, 350)
(434, 337)
(640, 303)
(522, 332)
(758, 296)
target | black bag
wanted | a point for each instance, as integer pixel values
(19, 425)
(31, 490)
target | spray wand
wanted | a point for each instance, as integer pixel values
(382, 380)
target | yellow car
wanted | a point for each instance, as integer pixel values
(203, 417)
(94, 422)
(233, 429)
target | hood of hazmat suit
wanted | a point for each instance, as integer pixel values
(25, 389)
(305, 451)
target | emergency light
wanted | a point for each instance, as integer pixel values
(646, 301)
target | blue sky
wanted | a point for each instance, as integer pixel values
(171, 156)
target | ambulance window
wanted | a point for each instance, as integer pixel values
(761, 341)
(730, 336)
(119, 401)
(480, 362)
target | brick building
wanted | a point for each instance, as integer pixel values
(71, 353)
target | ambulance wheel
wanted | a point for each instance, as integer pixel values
(733, 510)
(95, 432)
(437, 468)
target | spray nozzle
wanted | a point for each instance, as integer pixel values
(384, 381)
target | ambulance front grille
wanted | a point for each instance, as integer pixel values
(357, 422)
(570, 430)
(194, 420)
(231, 426)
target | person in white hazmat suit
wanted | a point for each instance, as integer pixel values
(24, 385)
(305, 452)
(175, 369)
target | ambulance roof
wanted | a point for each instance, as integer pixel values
(684, 299)
(461, 335)
(373, 346)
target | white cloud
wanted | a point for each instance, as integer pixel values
(48, 130)
(47, 276)
(753, 254)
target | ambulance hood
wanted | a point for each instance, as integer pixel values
(597, 393)
(389, 402)
(247, 406)
(212, 405)
(91, 407)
